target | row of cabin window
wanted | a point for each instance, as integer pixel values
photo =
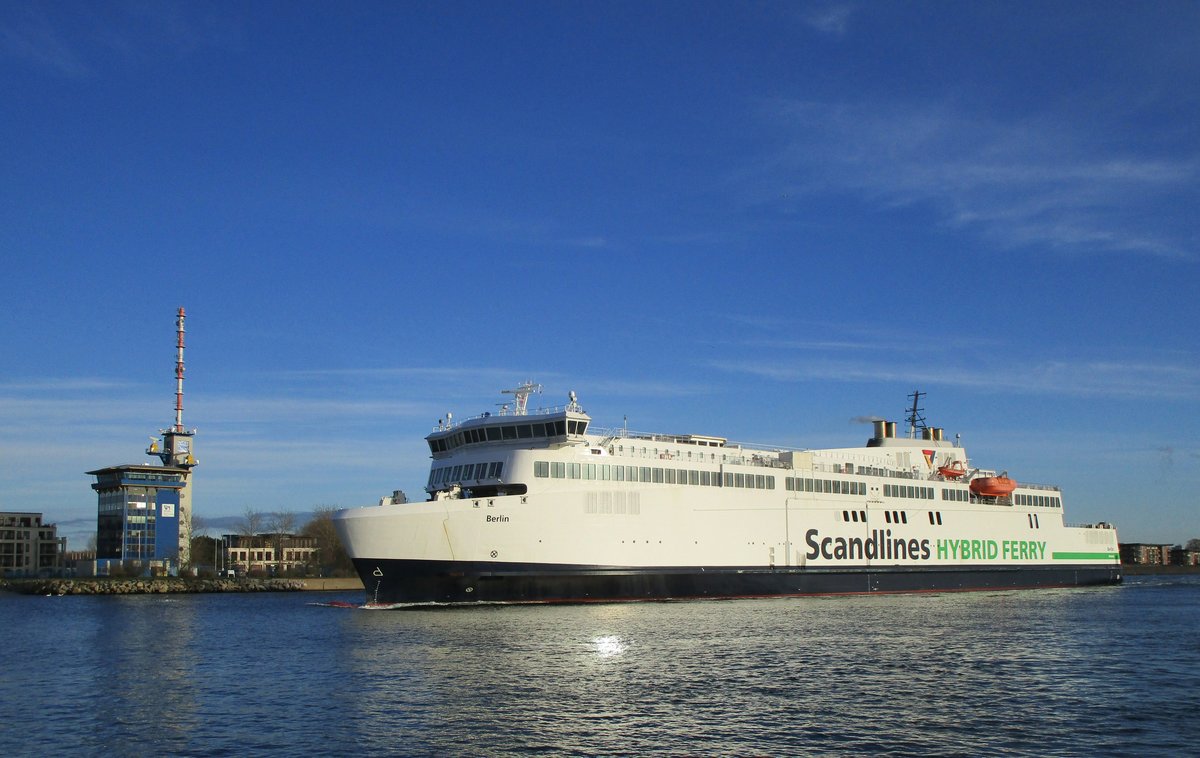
(908, 491)
(466, 472)
(829, 486)
(1040, 501)
(508, 432)
(611, 473)
(699, 455)
(961, 496)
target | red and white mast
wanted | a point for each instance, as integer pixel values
(179, 374)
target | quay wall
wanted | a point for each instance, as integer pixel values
(147, 586)
(1138, 569)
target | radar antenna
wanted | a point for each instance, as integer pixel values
(521, 396)
(915, 419)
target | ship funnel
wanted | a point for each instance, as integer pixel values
(880, 429)
(891, 429)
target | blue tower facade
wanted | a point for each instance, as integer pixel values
(138, 513)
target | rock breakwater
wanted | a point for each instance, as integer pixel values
(147, 586)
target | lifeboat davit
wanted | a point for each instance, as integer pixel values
(993, 486)
(952, 470)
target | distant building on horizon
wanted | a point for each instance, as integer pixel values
(1145, 554)
(267, 552)
(29, 547)
(1181, 556)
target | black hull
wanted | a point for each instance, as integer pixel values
(396, 582)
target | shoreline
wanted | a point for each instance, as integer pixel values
(174, 585)
(1139, 569)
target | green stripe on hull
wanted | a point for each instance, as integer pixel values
(1083, 556)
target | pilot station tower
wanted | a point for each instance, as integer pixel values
(144, 513)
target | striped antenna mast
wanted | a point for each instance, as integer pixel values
(179, 374)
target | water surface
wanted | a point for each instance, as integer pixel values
(1112, 670)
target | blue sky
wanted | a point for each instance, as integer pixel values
(755, 220)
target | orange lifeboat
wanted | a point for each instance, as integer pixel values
(952, 470)
(993, 486)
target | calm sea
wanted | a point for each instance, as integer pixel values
(1102, 671)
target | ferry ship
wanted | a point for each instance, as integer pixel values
(539, 507)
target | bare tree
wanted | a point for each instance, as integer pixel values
(251, 523)
(1193, 544)
(248, 528)
(281, 525)
(283, 522)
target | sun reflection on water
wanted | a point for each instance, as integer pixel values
(609, 646)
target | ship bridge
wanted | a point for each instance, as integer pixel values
(545, 427)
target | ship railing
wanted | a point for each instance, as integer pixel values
(552, 411)
(1035, 486)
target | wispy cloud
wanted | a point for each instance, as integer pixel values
(589, 243)
(29, 36)
(853, 353)
(1064, 378)
(832, 19)
(757, 331)
(1021, 182)
(74, 40)
(66, 384)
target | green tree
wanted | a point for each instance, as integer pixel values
(204, 552)
(331, 556)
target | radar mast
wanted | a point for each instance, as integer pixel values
(915, 419)
(521, 396)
